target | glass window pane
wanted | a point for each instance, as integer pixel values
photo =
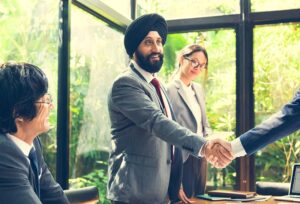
(176, 9)
(271, 5)
(276, 76)
(220, 87)
(29, 33)
(97, 56)
(123, 7)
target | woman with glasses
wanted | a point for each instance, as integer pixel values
(25, 106)
(187, 99)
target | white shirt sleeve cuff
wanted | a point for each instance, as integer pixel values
(199, 153)
(237, 148)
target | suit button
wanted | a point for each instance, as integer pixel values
(169, 161)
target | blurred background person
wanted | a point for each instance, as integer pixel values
(25, 106)
(187, 99)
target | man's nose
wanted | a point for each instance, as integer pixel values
(156, 48)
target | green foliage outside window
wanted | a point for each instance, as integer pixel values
(276, 79)
(29, 33)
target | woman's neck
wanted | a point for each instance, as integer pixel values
(186, 81)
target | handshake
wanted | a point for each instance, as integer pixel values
(218, 152)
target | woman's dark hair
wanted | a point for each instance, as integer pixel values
(21, 85)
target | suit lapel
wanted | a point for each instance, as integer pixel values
(19, 152)
(169, 103)
(200, 99)
(137, 72)
(150, 87)
(8, 140)
(184, 97)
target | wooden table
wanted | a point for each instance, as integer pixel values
(269, 201)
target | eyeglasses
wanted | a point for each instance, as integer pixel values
(48, 99)
(196, 64)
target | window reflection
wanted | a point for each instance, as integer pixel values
(276, 76)
(122, 7)
(176, 9)
(97, 56)
(29, 33)
(270, 5)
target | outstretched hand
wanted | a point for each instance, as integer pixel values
(218, 152)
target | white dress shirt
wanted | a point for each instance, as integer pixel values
(23, 146)
(236, 145)
(237, 148)
(149, 76)
(193, 105)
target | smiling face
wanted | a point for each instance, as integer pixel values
(191, 66)
(40, 123)
(149, 54)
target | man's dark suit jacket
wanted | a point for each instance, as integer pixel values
(16, 177)
(281, 124)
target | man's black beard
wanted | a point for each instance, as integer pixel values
(146, 64)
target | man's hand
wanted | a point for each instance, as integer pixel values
(218, 152)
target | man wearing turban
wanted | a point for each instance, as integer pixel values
(142, 130)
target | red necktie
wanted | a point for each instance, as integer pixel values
(156, 84)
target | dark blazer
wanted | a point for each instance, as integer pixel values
(140, 158)
(281, 124)
(17, 180)
(194, 169)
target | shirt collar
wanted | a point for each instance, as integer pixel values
(23, 146)
(186, 88)
(147, 75)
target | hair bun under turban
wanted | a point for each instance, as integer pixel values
(140, 27)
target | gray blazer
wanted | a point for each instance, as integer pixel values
(194, 169)
(183, 113)
(16, 177)
(140, 159)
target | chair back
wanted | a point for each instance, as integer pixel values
(272, 188)
(86, 195)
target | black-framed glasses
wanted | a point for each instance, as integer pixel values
(48, 99)
(195, 63)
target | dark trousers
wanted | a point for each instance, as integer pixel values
(194, 176)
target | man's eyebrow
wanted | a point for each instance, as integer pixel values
(148, 37)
